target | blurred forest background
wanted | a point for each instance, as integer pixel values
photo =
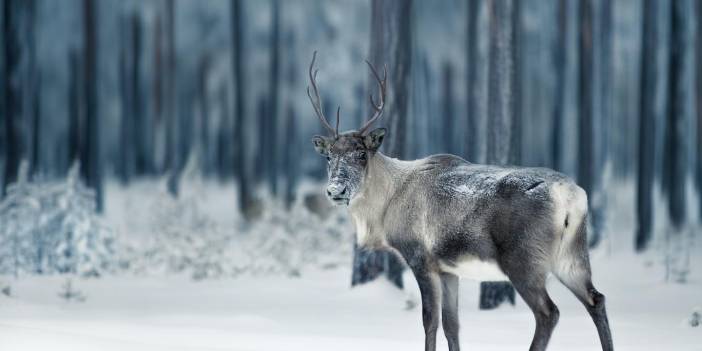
(162, 135)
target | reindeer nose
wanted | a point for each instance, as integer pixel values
(336, 190)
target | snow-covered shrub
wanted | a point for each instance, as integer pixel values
(200, 233)
(52, 227)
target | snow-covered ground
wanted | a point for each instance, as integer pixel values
(319, 311)
(192, 276)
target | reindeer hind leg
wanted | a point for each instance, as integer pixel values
(573, 270)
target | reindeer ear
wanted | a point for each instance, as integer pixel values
(321, 144)
(374, 139)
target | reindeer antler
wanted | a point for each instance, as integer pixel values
(381, 103)
(317, 101)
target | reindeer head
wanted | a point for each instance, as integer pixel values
(347, 153)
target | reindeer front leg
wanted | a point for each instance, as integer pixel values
(430, 288)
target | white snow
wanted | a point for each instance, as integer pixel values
(248, 299)
(319, 311)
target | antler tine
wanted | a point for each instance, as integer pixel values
(317, 101)
(381, 102)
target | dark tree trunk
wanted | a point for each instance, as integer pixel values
(515, 144)
(585, 102)
(471, 152)
(75, 103)
(172, 159)
(206, 161)
(502, 122)
(262, 154)
(240, 168)
(290, 162)
(391, 44)
(559, 59)
(125, 167)
(91, 165)
(140, 128)
(698, 99)
(157, 121)
(273, 97)
(12, 91)
(675, 155)
(224, 144)
(36, 126)
(448, 115)
(644, 205)
(589, 143)
(32, 87)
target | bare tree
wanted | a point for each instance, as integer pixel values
(240, 158)
(471, 147)
(698, 99)
(391, 44)
(224, 145)
(675, 150)
(502, 125)
(448, 113)
(291, 152)
(591, 135)
(559, 59)
(75, 107)
(170, 111)
(91, 165)
(12, 91)
(206, 161)
(647, 116)
(273, 98)
(124, 128)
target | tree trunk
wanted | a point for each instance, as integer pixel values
(698, 99)
(559, 58)
(501, 115)
(675, 155)
(75, 115)
(224, 144)
(515, 147)
(647, 117)
(471, 152)
(290, 162)
(240, 167)
(206, 161)
(140, 128)
(125, 167)
(32, 87)
(12, 91)
(158, 132)
(172, 160)
(91, 165)
(391, 44)
(448, 124)
(273, 99)
(590, 134)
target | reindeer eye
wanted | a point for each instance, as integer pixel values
(362, 155)
(328, 158)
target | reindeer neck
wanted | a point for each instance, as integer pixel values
(383, 176)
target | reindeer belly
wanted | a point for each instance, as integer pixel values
(473, 268)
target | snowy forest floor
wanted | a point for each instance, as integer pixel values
(193, 277)
(320, 312)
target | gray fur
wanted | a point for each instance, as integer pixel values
(442, 213)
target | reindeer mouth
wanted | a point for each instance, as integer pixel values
(340, 200)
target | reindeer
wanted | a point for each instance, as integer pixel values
(449, 218)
